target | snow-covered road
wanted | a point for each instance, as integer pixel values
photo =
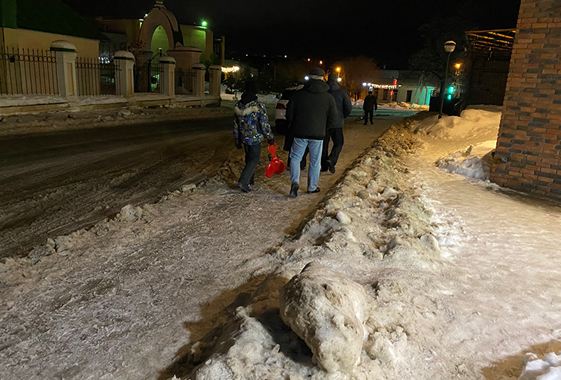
(127, 296)
(55, 183)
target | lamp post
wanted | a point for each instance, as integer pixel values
(449, 47)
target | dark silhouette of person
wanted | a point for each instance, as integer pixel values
(370, 105)
(335, 132)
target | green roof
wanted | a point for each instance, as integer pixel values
(53, 16)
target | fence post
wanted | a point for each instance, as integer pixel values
(215, 80)
(168, 76)
(199, 79)
(65, 54)
(124, 74)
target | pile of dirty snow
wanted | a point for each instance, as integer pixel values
(300, 323)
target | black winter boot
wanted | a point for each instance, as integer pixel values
(293, 190)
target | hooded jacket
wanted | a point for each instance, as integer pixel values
(311, 111)
(251, 123)
(342, 101)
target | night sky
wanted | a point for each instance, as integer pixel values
(387, 31)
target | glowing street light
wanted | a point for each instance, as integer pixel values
(449, 47)
(321, 62)
(457, 66)
(338, 69)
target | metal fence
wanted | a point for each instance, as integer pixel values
(28, 72)
(184, 82)
(95, 78)
(147, 77)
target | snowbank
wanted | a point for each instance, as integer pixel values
(369, 221)
(471, 122)
(471, 138)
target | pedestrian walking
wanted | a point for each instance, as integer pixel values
(310, 112)
(335, 131)
(251, 127)
(288, 140)
(370, 105)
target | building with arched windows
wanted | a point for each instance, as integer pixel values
(159, 34)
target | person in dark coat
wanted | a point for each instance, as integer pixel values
(370, 105)
(310, 112)
(251, 127)
(335, 132)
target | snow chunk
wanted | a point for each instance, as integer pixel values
(389, 193)
(327, 310)
(129, 213)
(343, 218)
(474, 162)
(537, 369)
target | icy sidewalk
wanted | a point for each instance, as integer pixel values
(502, 283)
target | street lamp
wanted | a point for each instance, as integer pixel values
(449, 47)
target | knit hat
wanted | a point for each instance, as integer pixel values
(317, 73)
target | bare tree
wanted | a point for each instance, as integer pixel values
(356, 71)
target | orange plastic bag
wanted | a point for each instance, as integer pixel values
(276, 166)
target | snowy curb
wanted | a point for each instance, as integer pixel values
(70, 120)
(65, 245)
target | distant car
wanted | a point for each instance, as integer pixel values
(281, 124)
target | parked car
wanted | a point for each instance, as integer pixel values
(281, 124)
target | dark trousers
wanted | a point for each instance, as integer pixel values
(366, 113)
(335, 134)
(252, 156)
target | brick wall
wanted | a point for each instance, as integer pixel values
(528, 155)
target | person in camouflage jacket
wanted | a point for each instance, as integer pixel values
(251, 127)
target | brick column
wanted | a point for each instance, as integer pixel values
(199, 79)
(124, 76)
(529, 144)
(167, 81)
(215, 80)
(65, 54)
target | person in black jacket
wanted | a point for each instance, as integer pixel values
(370, 105)
(310, 112)
(335, 132)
